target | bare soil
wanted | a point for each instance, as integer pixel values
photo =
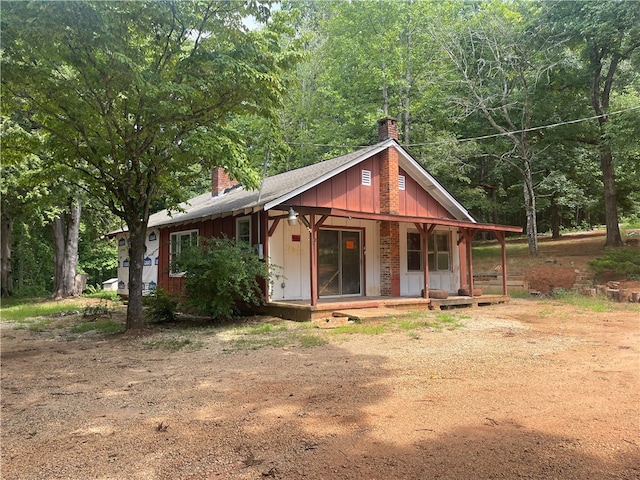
(533, 389)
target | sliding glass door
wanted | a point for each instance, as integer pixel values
(339, 262)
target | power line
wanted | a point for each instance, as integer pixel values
(483, 137)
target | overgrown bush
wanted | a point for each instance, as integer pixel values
(220, 275)
(161, 307)
(622, 261)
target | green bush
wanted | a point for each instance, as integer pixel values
(623, 261)
(161, 307)
(220, 275)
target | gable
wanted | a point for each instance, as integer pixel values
(414, 201)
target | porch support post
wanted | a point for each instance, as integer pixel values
(468, 235)
(501, 238)
(263, 218)
(425, 231)
(313, 255)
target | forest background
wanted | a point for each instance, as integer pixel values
(527, 112)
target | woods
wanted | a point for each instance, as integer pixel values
(528, 112)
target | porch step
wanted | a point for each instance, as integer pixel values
(369, 313)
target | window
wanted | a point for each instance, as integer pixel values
(366, 178)
(414, 252)
(439, 252)
(180, 241)
(243, 230)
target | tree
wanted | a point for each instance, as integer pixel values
(607, 34)
(135, 98)
(501, 59)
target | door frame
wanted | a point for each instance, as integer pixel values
(363, 276)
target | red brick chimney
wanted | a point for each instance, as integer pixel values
(220, 181)
(389, 203)
(387, 128)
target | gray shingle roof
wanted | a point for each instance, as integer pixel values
(273, 188)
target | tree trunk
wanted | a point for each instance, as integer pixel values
(555, 219)
(613, 239)
(6, 245)
(530, 210)
(66, 232)
(137, 247)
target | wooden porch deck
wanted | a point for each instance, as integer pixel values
(329, 308)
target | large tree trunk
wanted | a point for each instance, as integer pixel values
(137, 247)
(555, 219)
(6, 245)
(530, 210)
(613, 239)
(66, 232)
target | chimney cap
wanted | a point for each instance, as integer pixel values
(388, 128)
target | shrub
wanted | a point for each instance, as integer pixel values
(220, 275)
(161, 307)
(623, 261)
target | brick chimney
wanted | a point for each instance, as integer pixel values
(387, 128)
(220, 181)
(389, 203)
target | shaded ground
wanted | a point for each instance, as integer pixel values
(534, 389)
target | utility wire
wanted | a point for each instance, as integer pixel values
(483, 137)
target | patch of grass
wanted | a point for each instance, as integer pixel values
(545, 312)
(308, 341)
(21, 311)
(173, 344)
(410, 324)
(102, 295)
(101, 326)
(264, 328)
(257, 342)
(445, 321)
(362, 328)
(591, 304)
(34, 324)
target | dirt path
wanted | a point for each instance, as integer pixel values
(532, 389)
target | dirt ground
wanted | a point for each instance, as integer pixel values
(534, 389)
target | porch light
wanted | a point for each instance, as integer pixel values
(292, 219)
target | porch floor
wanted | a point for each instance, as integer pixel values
(376, 307)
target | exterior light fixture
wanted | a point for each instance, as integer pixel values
(292, 219)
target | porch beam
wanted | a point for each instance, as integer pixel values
(273, 226)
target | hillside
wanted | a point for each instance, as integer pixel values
(567, 256)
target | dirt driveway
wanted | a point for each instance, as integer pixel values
(531, 389)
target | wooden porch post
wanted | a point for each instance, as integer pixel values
(313, 254)
(264, 240)
(501, 238)
(468, 238)
(425, 231)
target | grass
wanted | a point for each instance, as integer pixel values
(173, 343)
(445, 321)
(101, 326)
(28, 308)
(361, 328)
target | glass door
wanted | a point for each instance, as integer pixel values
(339, 262)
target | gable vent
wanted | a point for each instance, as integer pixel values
(366, 178)
(401, 182)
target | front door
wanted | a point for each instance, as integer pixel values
(339, 262)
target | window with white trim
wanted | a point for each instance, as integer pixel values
(439, 252)
(243, 230)
(179, 242)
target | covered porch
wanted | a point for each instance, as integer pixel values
(376, 307)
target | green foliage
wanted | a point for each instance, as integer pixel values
(21, 309)
(100, 326)
(221, 276)
(361, 328)
(102, 309)
(161, 307)
(623, 261)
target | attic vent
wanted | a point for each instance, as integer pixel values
(366, 178)
(401, 182)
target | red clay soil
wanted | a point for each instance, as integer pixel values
(534, 389)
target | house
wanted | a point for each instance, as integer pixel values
(368, 226)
